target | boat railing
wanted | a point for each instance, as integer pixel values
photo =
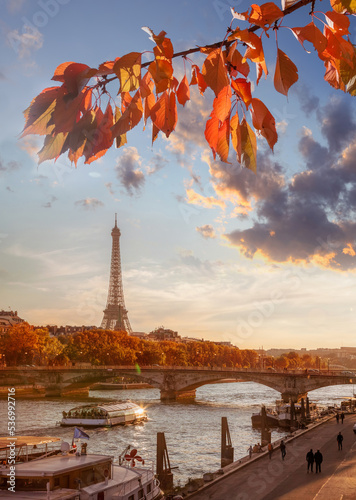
(143, 477)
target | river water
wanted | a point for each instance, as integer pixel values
(192, 430)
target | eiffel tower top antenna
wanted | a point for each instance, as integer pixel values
(115, 313)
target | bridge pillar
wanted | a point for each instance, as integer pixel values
(172, 395)
(292, 396)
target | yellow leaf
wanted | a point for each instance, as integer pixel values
(52, 147)
(248, 146)
(128, 70)
(236, 136)
(286, 73)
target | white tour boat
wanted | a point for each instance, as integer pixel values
(32, 470)
(104, 415)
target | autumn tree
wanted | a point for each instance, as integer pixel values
(80, 117)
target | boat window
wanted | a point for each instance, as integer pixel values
(140, 494)
(131, 497)
(149, 488)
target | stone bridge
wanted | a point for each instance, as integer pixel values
(174, 382)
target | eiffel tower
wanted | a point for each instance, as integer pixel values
(115, 313)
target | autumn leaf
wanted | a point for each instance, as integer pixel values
(183, 91)
(214, 71)
(120, 140)
(342, 6)
(146, 85)
(164, 113)
(101, 140)
(128, 70)
(286, 73)
(254, 50)
(222, 104)
(311, 34)
(198, 79)
(67, 111)
(150, 101)
(337, 47)
(338, 22)
(265, 14)
(52, 147)
(263, 121)
(131, 115)
(236, 136)
(39, 113)
(73, 75)
(236, 60)
(217, 135)
(243, 89)
(248, 146)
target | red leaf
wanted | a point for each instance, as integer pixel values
(183, 91)
(164, 113)
(236, 61)
(102, 139)
(217, 135)
(243, 88)
(263, 121)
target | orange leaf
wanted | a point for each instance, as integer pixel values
(342, 6)
(183, 91)
(337, 47)
(235, 59)
(39, 113)
(197, 78)
(67, 111)
(286, 73)
(73, 75)
(131, 116)
(248, 146)
(243, 88)
(146, 85)
(236, 136)
(217, 135)
(81, 133)
(101, 140)
(264, 122)
(312, 34)
(164, 113)
(222, 104)
(254, 50)
(128, 70)
(338, 22)
(150, 101)
(265, 15)
(214, 71)
(120, 140)
(161, 69)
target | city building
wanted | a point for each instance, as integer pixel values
(8, 319)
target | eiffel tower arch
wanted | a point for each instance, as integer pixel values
(115, 313)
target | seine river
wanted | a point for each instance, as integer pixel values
(192, 431)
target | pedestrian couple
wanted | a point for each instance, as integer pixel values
(314, 457)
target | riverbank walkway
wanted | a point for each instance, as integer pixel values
(262, 478)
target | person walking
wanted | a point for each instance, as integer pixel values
(270, 450)
(318, 457)
(337, 416)
(283, 449)
(342, 416)
(339, 439)
(310, 460)
(250, 451)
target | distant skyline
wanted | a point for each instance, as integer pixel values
(208, 249)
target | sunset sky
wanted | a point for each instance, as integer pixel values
(208, 249)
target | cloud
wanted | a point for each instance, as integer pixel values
(49, 203)
(311, 217)
(308, 102)
(131, 177)
(108, 186)
(157, 162)
(9, 166)
(26, 43)
(8, 188)
(206, 231)
(89, 204)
